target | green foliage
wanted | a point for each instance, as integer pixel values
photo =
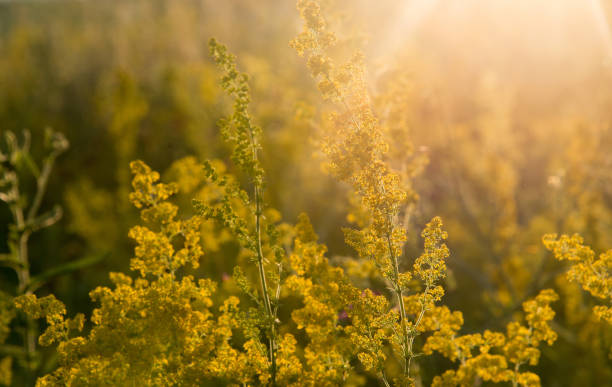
(18, 168)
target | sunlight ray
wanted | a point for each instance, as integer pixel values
(602, 24)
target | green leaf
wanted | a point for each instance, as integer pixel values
(12, 350)
(9, 260)
(39, 280)
(29, 162)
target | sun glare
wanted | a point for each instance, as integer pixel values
(601, 21)
(562, 25)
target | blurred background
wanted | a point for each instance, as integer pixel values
(505, 105)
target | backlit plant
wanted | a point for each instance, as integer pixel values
(290, 315)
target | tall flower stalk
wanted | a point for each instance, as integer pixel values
(239, 130)
(356, 150)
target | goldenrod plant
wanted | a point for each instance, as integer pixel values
(380, 226)
(594, 274)
(356, 150)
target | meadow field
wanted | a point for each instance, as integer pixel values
(321, 193)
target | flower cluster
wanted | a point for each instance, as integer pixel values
(155, 253)
(146, 330)
(493, 356)
(322, 289)
(593, 273)
(238, 128)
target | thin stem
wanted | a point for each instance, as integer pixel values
(383, 377)
(416, 325)
(23, 275)
(264, 285)
(258, 198)
(514, 377)
(400, 298)
(24, 227)
(24, 271)
(278, 290)
(41, 185)
(24, 281)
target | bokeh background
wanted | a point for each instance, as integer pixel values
(506, 105)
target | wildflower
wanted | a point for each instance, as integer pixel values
(356, 150)
(593, 273)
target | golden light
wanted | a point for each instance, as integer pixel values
(601, 21)
(552, 53)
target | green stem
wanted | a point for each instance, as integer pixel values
(41, 185)
(402, 308)
(24, 225)
(416, 325)
(515, 376)
(264, 285)
(383, 377)
(23, 275)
